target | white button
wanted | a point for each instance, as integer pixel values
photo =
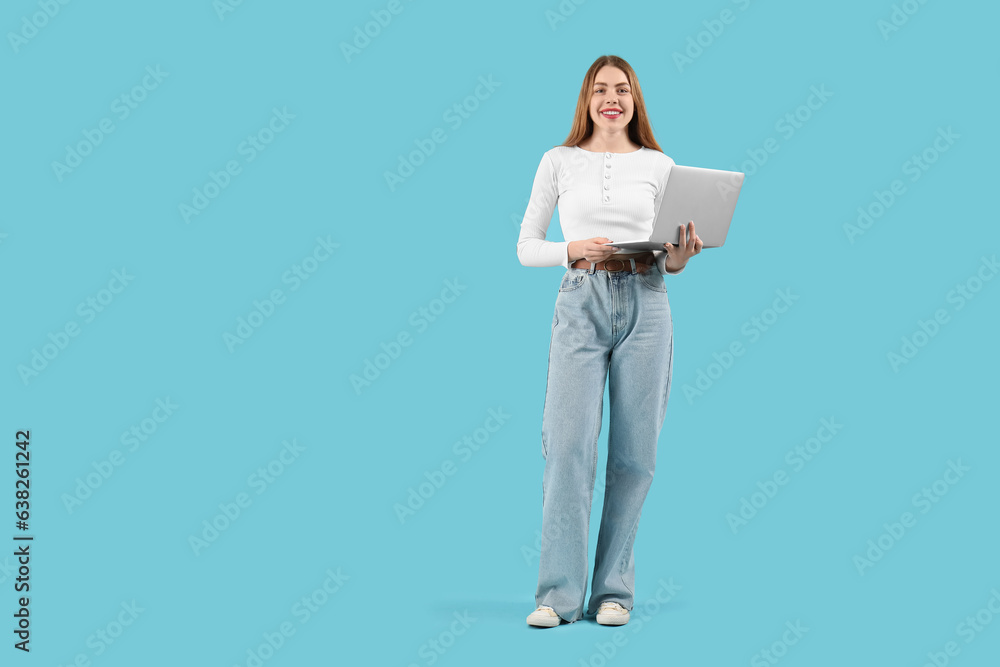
(607, 155)
(607, 175)
(607, 198)
(608, 165)
(607, 187)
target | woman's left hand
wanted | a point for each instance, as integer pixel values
(689, 245)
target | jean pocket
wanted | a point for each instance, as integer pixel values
(572, 280)
(652, 279)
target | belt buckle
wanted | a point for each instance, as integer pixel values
(607, 268)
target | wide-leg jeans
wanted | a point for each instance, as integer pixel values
(612, 326)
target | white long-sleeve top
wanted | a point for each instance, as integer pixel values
(613, 195)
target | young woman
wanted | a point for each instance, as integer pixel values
(612, 323)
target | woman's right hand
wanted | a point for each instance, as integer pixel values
(591, 249)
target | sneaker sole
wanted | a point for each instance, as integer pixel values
(544, 622)
(612, 620)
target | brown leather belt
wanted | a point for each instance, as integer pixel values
(643, 260)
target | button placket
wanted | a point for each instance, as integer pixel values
(607, 178)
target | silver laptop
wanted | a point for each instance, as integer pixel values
(706, 196)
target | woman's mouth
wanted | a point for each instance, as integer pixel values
(611, 114)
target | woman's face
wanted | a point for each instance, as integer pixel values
(611, 91)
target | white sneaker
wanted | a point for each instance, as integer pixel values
(544, 617)
(612, 613)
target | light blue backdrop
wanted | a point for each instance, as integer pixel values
(203, 244)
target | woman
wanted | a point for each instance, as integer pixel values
(612, 322)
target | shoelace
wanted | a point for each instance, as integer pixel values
(613, 605)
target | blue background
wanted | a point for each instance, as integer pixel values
(469, 548)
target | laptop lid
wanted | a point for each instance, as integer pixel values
(706, 196)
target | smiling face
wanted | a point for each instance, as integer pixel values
(611, 92)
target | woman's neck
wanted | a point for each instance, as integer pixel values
(601, 144)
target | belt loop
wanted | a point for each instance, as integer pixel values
(593, 267)
(632, 260)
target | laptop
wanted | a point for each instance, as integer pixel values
(706, 196)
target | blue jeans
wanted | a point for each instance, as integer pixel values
(614, 326)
